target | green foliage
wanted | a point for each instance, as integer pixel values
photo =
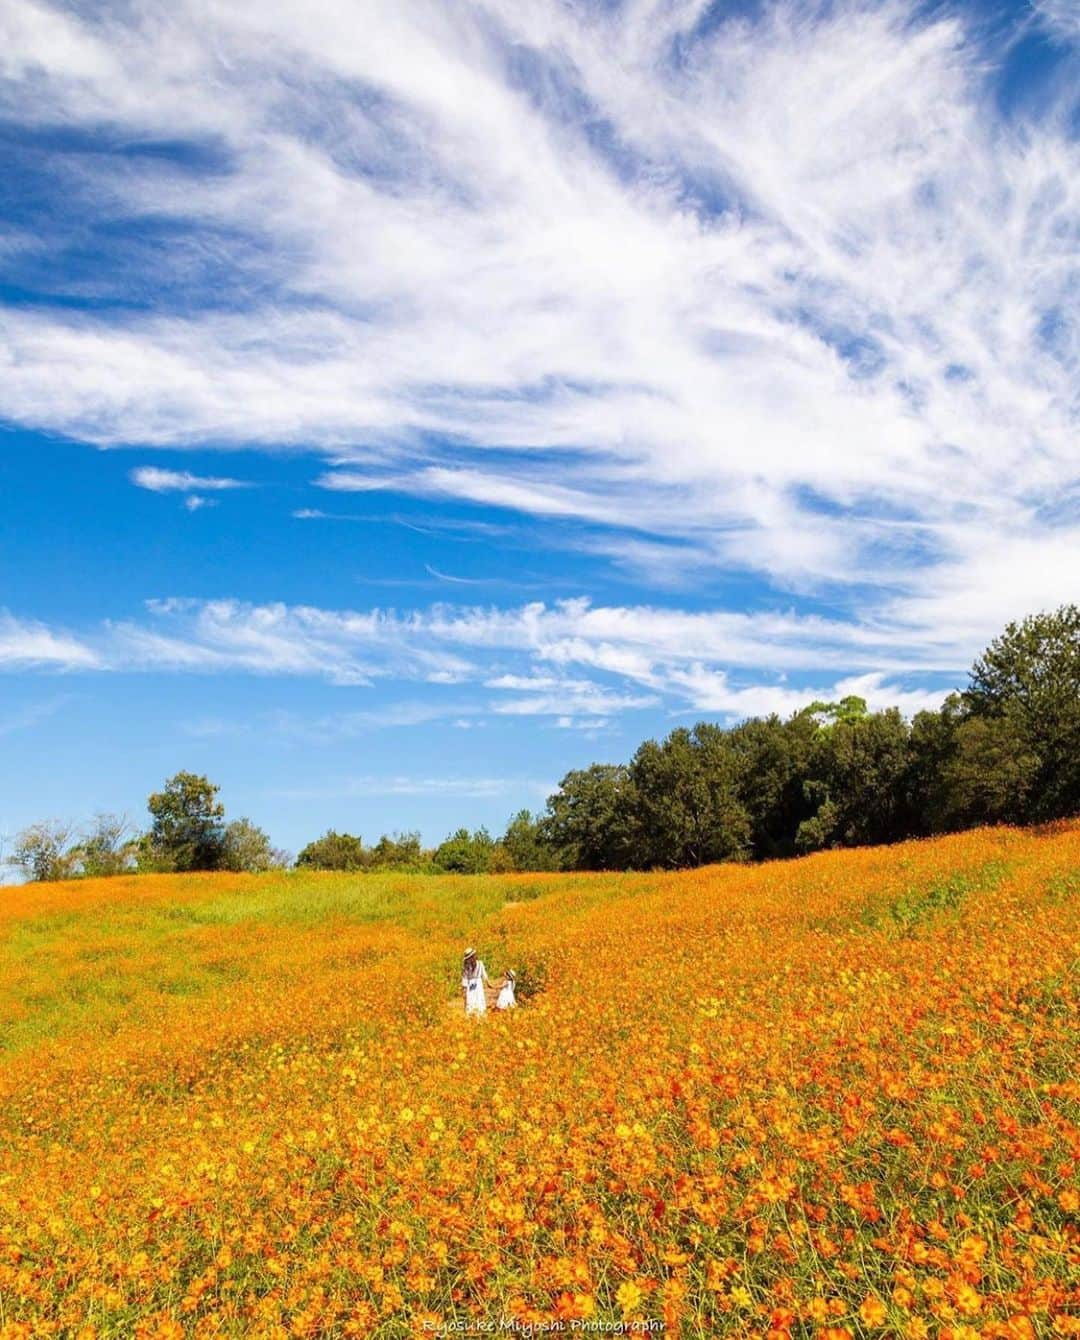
(343, 851)
(992, 776)
(917, 906)
(106, 847)
(837, 774)
(858, 767)
(851, 708)
(525, 844)
(500, 862)
(688, 810)
(932, 752)
(920, 905)
(819, 830)
(44, 851)
(591, 820)
(1027, 683)
(1007, 750)
(773, 761)
(187, 831)
(333, 851)
(245, 847)
(465, 853)
(52, 850)
(400, 852)
(1061, 888)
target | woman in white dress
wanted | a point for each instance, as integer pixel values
(506, 999)
(473, 980)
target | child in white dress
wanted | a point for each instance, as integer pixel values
(473, 980)
(506, 999)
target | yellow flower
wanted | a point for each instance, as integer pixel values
(872, 1311)
(968, 1300)
(629, 1298)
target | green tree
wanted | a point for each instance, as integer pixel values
(465, 853)
(525, 843)
(991, 775)
(857, 781)
(773, 762)
(500, 862)
(106, 847)
(687, 800)
(333, 851)
(44, 851)
(591, 820)
(1028, 683)
(401, 851)
(851, 708)
(245, 847)
(933, 748)
(187, 831)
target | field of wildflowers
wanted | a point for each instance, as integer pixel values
(835, 1097)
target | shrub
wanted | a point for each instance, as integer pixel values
(333, 851)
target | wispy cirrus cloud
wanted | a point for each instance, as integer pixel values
(786, 294)
(1059, 17)
(570, 662)
(27, 644)
(157, 480)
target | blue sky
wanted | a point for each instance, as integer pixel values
(400, 410)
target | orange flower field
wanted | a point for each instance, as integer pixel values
(833, 1097)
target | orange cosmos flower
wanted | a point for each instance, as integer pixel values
(872, 1311)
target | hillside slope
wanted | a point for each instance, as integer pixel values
(831, 1097)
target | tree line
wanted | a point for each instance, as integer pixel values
(187, 832)
(1005, 750)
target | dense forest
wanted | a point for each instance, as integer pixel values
(1005, 750)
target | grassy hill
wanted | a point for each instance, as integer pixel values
(833, 1097)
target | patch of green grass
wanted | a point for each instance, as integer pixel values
(917, 906)
(111, 961)
(1060, 888)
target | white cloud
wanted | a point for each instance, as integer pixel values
(787, 296)
(879, 693)
(526, 682)
(991, 577)
(580, 699)
(155, 479)
(1060, 17)
(571, 661)
(27, 644)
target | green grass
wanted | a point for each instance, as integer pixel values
(146, 940)
(922, 904)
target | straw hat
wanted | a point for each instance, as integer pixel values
(469, 952)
